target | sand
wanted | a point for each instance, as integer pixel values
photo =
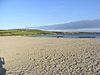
(50, 56)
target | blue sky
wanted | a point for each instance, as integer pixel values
(32, 13)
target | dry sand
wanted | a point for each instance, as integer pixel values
(50, 56)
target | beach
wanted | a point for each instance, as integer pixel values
(50, 56)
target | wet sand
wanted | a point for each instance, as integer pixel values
(50, 56)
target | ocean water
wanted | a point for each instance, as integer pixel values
(82, 35)
(70, 35)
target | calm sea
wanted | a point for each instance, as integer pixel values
(71, 35)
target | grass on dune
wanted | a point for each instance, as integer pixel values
(30, 32)
(21, 32)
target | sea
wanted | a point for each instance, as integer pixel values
(69, 35)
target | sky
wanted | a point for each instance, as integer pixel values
(33, 13)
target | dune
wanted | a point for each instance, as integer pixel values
(50, 56)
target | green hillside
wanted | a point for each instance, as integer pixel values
(30, 32)
(22, 32)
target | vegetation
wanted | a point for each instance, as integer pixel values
(30, 32)
(22, 32)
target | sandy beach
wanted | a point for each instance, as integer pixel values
(50, 56)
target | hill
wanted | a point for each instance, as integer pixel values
(30, 32)
(22, 32)
(84, 25)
